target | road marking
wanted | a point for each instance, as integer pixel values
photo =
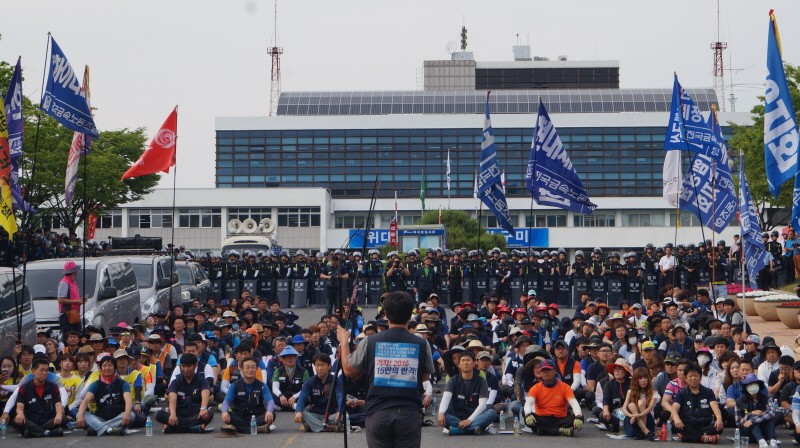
(289, 441)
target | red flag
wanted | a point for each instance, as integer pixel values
(92, 226)
(160, 154)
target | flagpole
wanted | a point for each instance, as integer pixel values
(530, 224)
(85, 226)
(713, 232)
(25, 214)
(448, 179)
(172, 237)
(743, 265)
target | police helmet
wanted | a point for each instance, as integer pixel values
(597, 250)
(765, 235)
(545, 253)
(522, 254)
(561, 250)
(503, 255)
(578, 253)
(473, 253)
(721, 243)
(284, 253)
(775, 233)
(234, 253)
(648, 246)
(357, 254)
(300, 253)
(614, 254)
(480, 252)
(691, 246)
(320, 255)
(536, 254)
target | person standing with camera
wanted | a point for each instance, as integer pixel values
(396, 275)
(334, 273)
(69, 300)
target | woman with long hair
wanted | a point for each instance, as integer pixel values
(638, 407)
(9, 376)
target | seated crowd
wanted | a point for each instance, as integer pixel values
(684, 362)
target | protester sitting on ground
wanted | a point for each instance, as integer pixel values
(755, 413)
(189, 394)
(614, 393)
(39, 411)
(249, 398)
(695, 411)
(288, 380)
(546, 405)
(111, 396)
(463, 409)
(314, 403)
(640, 401)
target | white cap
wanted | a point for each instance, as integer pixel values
(38, 348)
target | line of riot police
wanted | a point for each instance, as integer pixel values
(463, 275)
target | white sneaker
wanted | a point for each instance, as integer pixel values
(491, 429)
(773, 443)
(527, 429)
(445, 431)
(763, 444)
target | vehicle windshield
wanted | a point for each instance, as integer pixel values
(43, 283)
(184, 275)
(144, 274)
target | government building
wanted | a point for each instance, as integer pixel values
(312, 167)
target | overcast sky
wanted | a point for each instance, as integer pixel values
(209, 57)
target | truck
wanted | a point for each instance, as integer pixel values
(251, 236)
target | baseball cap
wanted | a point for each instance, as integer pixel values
(753, 339)
(560, 343)
(547, 365)
(484, 354)
(648, 345)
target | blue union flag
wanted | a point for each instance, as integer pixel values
(550, 177)
(490, 189)
(755, 254)
(687, 129)
(63, 98)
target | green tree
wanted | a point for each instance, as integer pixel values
(750, 140)
(44, 169)
(462, 231)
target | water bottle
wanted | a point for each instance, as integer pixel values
(148, 427)
(253, 428)
(516, 426)
(434, 410)
(3, 429)
(669, 431)
(502, 421)
(347, 421)
(737, 438)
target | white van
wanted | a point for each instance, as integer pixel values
(9, 331)
(111, 288)
(153, 273)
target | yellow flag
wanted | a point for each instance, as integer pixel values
(7, 219)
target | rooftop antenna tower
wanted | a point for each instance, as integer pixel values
(719, 70)
(275, 51)
(463, 38)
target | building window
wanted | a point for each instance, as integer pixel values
(199, 217)
(595, 220)
(491, 221)
(298, 217)
(53, 222)
(257, 214)
(111, 220)
(687, 220)
(410, 220)
(146, 218)
(651, 219)
(350, 221)
(546, 220)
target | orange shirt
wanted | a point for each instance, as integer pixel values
(551, 401)
(576, 367)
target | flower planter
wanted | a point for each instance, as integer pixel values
(744, 301)
(747, 304)
(787, 313)
(766, 306)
